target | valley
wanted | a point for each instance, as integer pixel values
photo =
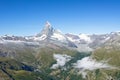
(52, 55)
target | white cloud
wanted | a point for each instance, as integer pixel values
(61, 60)
(87, 63)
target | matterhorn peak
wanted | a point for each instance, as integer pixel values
(47, 27)
(47, 30)
(47, 24)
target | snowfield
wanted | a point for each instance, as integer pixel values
(43, 37)
(58, 36)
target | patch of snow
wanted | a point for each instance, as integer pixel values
(58, 36)
(73, 40)
(107, 38)
(61, 60)
(84, 37)
(13, 41)
(28, 38)
(69, 38)
(43, 37)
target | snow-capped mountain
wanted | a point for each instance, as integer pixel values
(82, 42)
(81, 38)
(46, 32)
(94, 40)
(49, 33)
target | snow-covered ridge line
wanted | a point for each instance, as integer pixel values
(81, 42)
(18, 42)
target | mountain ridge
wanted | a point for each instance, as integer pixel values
(49, 34)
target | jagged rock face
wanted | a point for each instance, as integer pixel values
(47, 30)
(50, 35)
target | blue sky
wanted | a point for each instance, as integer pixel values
(27, 17)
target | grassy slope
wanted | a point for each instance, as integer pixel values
(43, 58)
(113, 58)
(45, 55)
(112, 55)
(11, 69)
